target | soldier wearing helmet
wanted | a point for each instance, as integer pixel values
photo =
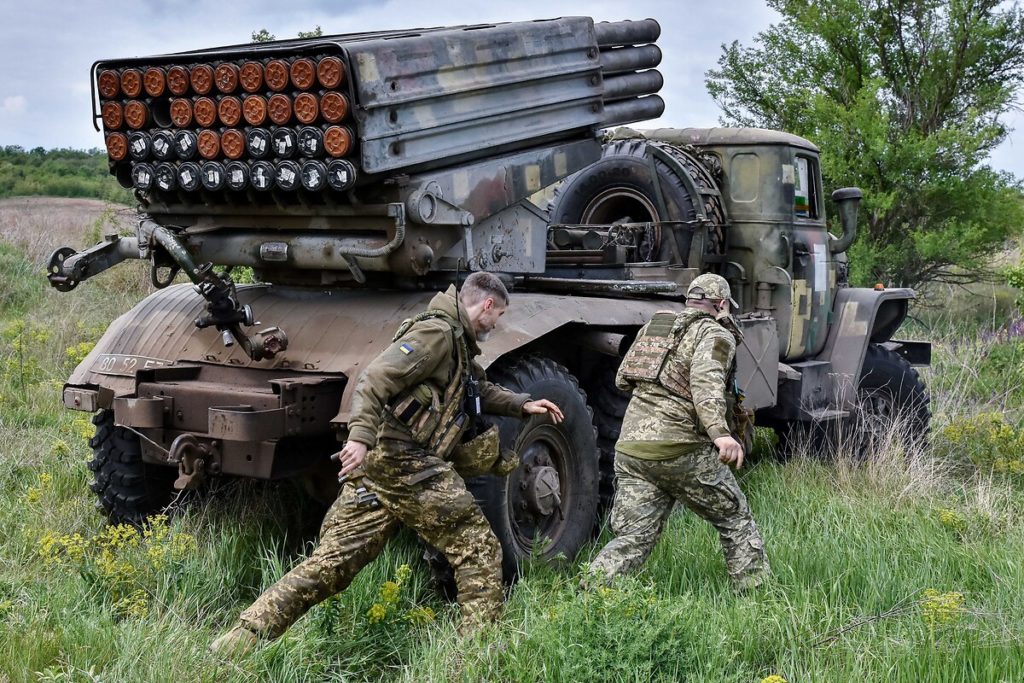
(677, 437)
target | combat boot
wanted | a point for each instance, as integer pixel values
(749, 583)
(237, 642)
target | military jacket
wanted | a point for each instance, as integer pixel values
(663, 423)
(422, 363)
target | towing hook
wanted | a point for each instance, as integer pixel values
(192, 458)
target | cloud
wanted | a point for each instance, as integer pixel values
(13, 104)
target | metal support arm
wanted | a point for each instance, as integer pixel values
(67, 267)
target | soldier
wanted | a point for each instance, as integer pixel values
(676, 439)
(404, 465)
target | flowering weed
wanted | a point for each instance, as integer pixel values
(125, 564)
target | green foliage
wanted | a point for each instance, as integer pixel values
(1015, 278)
(58, 173)
(265, 36)
(905, 99)
(988, 441)
(997, 374)
(922, 577)
(22, 282)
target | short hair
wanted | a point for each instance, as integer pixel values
(480, 285)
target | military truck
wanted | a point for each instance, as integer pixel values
(357, 174)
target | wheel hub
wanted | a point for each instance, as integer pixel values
(542, 490)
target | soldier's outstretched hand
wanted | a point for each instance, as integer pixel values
(351, 456)
(542, 406)
(730, 451)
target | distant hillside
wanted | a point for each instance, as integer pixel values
(58, 173)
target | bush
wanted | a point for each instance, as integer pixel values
(988, 441)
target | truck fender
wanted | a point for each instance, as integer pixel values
(860, 316)
(332, 333)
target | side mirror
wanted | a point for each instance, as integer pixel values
(848, 201)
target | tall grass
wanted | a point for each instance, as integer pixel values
(904, 568)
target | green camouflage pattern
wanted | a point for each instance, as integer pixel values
(665, 412)
(405, 482)
(483, 455)
(710, 286)
(415, 488)
(646, 492)
(422, 355)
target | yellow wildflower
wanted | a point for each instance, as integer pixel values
(403, 573)
(133, 605)
(377, 612)
(182, 545)
(77, 353)
(389, 592)
(83, 427)
(420, 615)
(952, 520)
(941, 608)
(774, 678)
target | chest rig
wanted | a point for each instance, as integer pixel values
(647, 359)
(435, 417)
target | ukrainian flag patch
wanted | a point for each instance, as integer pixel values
(406, 349)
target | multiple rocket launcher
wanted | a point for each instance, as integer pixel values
(216, 127)
(303, 118)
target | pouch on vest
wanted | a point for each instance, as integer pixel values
(478, 455)
(645, 358)
(419, 410)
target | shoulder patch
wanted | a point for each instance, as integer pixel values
(406, 348)
(722, 347)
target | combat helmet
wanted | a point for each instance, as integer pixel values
(710, 286)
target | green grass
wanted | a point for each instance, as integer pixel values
(854, 550)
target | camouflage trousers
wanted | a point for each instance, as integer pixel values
(415, 488)
(645, 494)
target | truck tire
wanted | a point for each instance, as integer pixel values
(609, 404)
(127, 489)
(621, 187)
(891, 395)
(560, 457)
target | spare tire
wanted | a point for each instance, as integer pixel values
(624, 186)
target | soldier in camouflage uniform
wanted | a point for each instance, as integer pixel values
(405, 464)
(676, 439)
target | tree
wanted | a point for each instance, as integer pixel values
(263, 36)
(906, 99)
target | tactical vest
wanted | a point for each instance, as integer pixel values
(646, 360)
(435, 419)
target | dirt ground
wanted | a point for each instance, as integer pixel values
(41, 224)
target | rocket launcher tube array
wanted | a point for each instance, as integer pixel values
(382, 102)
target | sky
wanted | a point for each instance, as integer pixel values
(48, 47)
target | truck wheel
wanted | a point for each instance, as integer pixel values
(609, 404)
(127, 488)
(549, 505)
(890, 395)
(621, 187)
